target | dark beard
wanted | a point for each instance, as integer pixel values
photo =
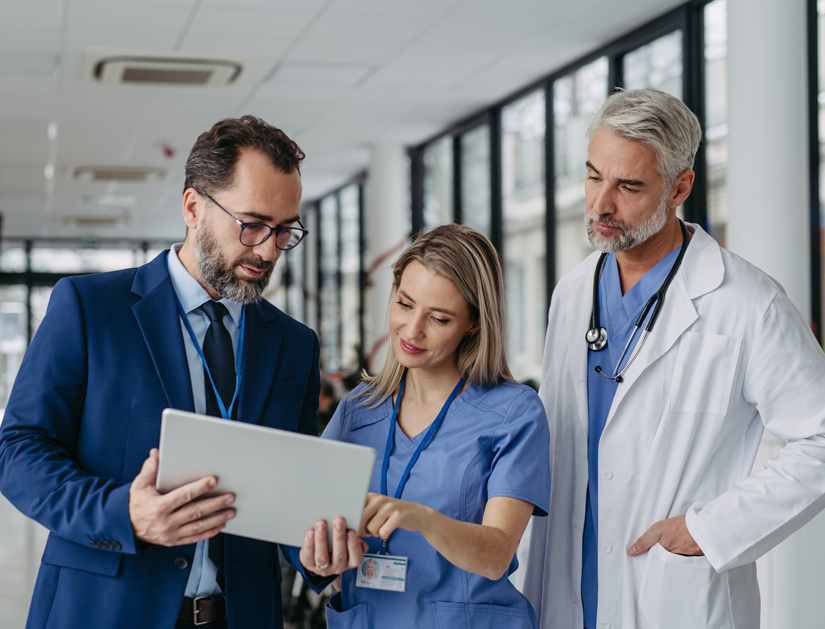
(220, 276)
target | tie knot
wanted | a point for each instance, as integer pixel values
(214, 311)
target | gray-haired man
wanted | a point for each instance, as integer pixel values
(665, 357)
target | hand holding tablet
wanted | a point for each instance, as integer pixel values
(284, 483)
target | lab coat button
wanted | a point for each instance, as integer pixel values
(606, 624)
(608, 475)
(607, 548)
(181, 563)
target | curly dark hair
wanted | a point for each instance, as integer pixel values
(211, 163)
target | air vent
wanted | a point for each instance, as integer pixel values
(95, 221)
(125, 174)
(167, 71)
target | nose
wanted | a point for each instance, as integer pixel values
(267, 250)
(601, 200)
(415, 328)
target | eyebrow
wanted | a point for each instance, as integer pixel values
(627, 182)
(266, 219)
(444, 310)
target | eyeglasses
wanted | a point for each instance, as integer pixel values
(254, 234)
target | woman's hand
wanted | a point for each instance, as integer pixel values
(347, 549)
(382, 515)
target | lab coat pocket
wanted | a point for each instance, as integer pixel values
(680, 592)
(472, 616)
(704, 374)
(355, 618)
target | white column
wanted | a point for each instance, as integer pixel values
(768, 141)
(387, 226)
(768, 226)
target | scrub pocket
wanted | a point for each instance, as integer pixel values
(356, 618)
(705, 369)
(470, 616)
(680, 592)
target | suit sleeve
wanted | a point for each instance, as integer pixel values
(308, 425)
(39, 434)
(784, 381)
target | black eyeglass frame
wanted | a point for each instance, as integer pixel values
(301, 231)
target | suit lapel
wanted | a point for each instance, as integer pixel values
(262, 343)
(157, 318)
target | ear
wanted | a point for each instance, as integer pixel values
(192, 208)
(474, 328)
(680, 190)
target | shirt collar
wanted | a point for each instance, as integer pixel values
(190, 293)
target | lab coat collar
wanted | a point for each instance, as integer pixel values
(701, 272)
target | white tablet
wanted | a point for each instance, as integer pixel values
(283, 482)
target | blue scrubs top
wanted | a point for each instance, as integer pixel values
(618, 315)
(493, 441)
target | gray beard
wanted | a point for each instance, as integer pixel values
(631, 236)
(220, 276)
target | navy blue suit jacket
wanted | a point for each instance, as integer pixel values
(84, 412)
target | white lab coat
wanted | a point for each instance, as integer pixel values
(728, 354)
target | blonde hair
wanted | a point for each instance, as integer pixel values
(468, 260)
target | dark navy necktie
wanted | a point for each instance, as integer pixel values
(217, 349)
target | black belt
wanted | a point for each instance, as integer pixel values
(203, 609)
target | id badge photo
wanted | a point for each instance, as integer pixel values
(383, 572)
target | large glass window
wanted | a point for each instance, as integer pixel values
(350, 278)
(438, 182)
(475, 179)
(657, 64)
(576, 99)
(716, 116)
(821, 101)
(13, 337)
(310, 254)
(524, 211)
(330, 357)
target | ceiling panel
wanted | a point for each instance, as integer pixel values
(427, 63)
(31, 26)
(257, 24)
(147, 25)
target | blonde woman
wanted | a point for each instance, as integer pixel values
(462, 451)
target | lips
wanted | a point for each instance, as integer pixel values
(409, 348)
(252, 272)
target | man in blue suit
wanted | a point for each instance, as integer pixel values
(113, 351)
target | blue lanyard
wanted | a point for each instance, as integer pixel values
(424, 442)
(226, 413)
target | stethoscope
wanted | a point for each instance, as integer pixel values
(596, 336)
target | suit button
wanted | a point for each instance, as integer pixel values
(116, 545)
(94, 544)
(181, 563)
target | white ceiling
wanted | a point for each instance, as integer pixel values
(336, 75)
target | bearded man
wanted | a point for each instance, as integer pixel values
(666, 355)
(113, 351)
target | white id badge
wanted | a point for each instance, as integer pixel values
(383, 572)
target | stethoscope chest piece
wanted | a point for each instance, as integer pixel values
(596, 339)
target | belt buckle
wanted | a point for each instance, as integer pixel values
(196, 610)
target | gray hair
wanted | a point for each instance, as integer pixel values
(656, 119)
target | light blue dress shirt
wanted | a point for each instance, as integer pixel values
(617, 314)
(203, 577)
